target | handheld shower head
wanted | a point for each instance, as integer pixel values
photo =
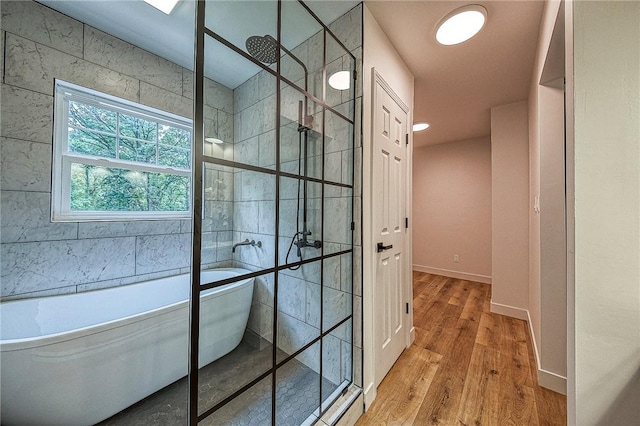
(264, 49)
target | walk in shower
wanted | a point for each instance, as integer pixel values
(239, 303)
(289, 170)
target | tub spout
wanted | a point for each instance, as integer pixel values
(246, 242)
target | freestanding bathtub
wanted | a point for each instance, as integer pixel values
(78, 359)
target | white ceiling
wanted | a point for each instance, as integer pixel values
(456, 86)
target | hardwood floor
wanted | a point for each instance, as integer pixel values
(467, 365)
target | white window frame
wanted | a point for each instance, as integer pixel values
(62, 158)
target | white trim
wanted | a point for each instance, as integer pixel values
(62, 159)
(369, 395)
(453, 274)
(510, 311)
(546, 379)
(553, 381)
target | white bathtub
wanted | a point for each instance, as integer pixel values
(78, 359)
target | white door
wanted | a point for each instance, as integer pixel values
(389, 212)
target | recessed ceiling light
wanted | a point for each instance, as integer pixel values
(340, 80)
(461, 24)
(420, 126)
(214, 140)
(164, 5)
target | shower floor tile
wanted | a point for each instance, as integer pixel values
(296, 395)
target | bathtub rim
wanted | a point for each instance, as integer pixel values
(12, 345)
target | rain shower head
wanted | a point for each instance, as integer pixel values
(264, 49)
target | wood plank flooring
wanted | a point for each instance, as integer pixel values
(466, 367)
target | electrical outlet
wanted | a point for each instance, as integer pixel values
(456, 258)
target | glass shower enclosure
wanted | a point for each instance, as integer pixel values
(273, 201)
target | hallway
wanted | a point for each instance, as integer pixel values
(467, 366)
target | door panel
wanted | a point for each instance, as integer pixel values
(389, 203)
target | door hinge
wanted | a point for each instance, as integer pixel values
(353, 226)
(406, 222)
(406, 139)
(407, 307)
(355, 74)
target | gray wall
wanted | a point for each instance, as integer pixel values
(41, 258)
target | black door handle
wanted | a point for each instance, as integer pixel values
(383, 247)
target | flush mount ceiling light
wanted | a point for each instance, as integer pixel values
(417, 127)
(214, 140)
(461, 24)
(340, 80)
(165, 6)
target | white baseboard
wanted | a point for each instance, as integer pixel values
(369, 395)
(546, 379)
(510, 311)
(552, 381)
(453, 274)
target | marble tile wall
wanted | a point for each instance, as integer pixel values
(42, 258)
(299, 303)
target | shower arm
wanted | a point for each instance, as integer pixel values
(304, 67)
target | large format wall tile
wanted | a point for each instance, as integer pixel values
(218, 96)
(26, 166)
(43, 25)
(126, 229)
(225, 245)
(293, 333)
(165, 100)
(2, 35)
(26, 115)
(33, 66)
(28, 267)
(332, 359)
(44, 293)
(292, 297)
(337, 229)
(245, 216)
(97, 285)
(156, 253)
(348, 28)
(226, 127)
(261, 320)
(187, 83)
(113, 53)
(26, 216)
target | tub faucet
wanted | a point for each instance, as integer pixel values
(247, 243)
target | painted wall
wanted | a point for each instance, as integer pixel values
(547, 245)
(452, 209)
(380, 54)
(606, 65)
(509, 206)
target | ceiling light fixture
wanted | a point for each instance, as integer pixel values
(340, 80)
(418, 127)
(214, 140)
(461, 24)
(165, 6)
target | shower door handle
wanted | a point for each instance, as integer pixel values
(382, 247)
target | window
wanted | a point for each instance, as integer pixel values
(115, 159)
